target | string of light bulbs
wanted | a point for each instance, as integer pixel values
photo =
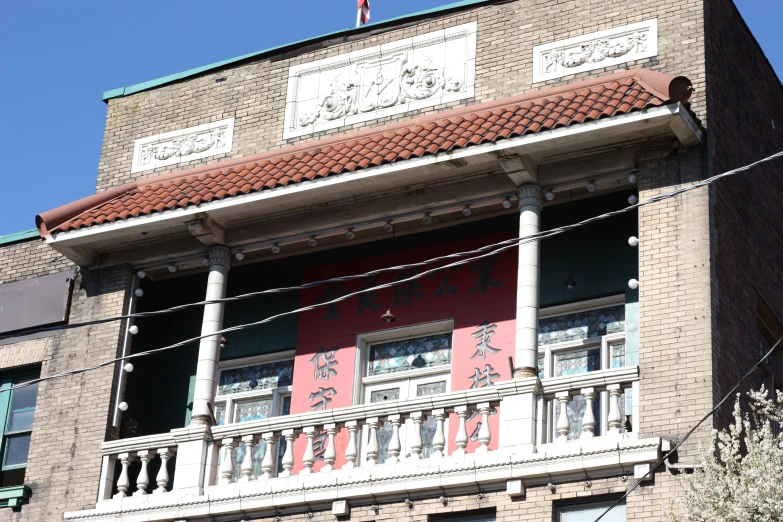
(504, 245)
(517, 241)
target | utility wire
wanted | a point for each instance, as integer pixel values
(513, 241)
(505, 245)
(680, 443)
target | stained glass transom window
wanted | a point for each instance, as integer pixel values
(220, 414)
(581, 325)
(410, 354)
(577, 361)
(392, 394)
(256, 377)
(431, 388)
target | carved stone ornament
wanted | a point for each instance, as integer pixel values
(220, 256)
(183, 145)
(595, 50)
(423, 71)
(530, 196)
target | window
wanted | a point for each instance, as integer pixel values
(253, 389)
(591, 511)
(769, 331)
(400, 364)
(17, 409)
(580, 338)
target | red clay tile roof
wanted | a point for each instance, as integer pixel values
(612, 95)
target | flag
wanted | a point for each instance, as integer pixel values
(362, 12)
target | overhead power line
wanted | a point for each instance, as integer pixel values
(457, 255)
(484, 252)
(680, 443)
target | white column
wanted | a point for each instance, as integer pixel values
(209, 347)
(526, 357)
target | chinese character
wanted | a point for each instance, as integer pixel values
(484, 267)
(483, 335)
(331, 292)
(319, 445)
(324, 363)
(445, 288)
(324, 396)
(404, 293)
(367, 299)
(485, 378)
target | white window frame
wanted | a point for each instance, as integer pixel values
(276, 394)
(605, 342)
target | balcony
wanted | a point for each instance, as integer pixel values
(257, 467)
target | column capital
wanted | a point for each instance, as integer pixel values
(530, 195)
(219, 255)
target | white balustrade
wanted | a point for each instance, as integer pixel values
(147, 462)
(563, 424)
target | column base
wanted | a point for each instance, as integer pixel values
(525, 373)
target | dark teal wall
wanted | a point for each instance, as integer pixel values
(158, 392)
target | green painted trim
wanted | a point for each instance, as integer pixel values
(19, 236)
(132, 89)
(14, 496)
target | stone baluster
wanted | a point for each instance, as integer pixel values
(227, 464)
(395, 447)
(484, 434)
(588, 421)
(439, 440)
(351, 451)
(288, 454)
(613, 418)
(330, 454)
(143, 480)
(308, 459)
(563, 425)
(461, 440)
(372, 443)
(246, 469)
(417, 445)
(123, 483)
(162, 479)
(268, 462)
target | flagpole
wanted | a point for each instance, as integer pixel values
(358, 17)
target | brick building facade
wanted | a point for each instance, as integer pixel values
(706, 261)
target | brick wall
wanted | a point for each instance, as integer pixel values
(745, 100)
(72, 413)
(254, 93)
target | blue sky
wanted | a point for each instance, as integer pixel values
(57, 58)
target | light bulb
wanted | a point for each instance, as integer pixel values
(205, 261)
(632, 178)
(467, 211)
(128, 367)
(590, 187)
(275, 248)
(632, 327)
(172, 268)
(141, 274)
(138, 292)
(349, 234)
(633, 284)
(549, 195)
(633, 241)
(133, 329)
(507, 203)
(427, 219)
(312, 241)
(632, 199)
(123, 406)
(240, 256)
(388, 227)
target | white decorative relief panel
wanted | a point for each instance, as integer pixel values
(183, 145)
(393, 78)
(595, 50)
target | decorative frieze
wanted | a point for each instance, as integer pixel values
(183, 145)
(413, 73)
(595, 50)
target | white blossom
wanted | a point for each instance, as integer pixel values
(741, 475)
